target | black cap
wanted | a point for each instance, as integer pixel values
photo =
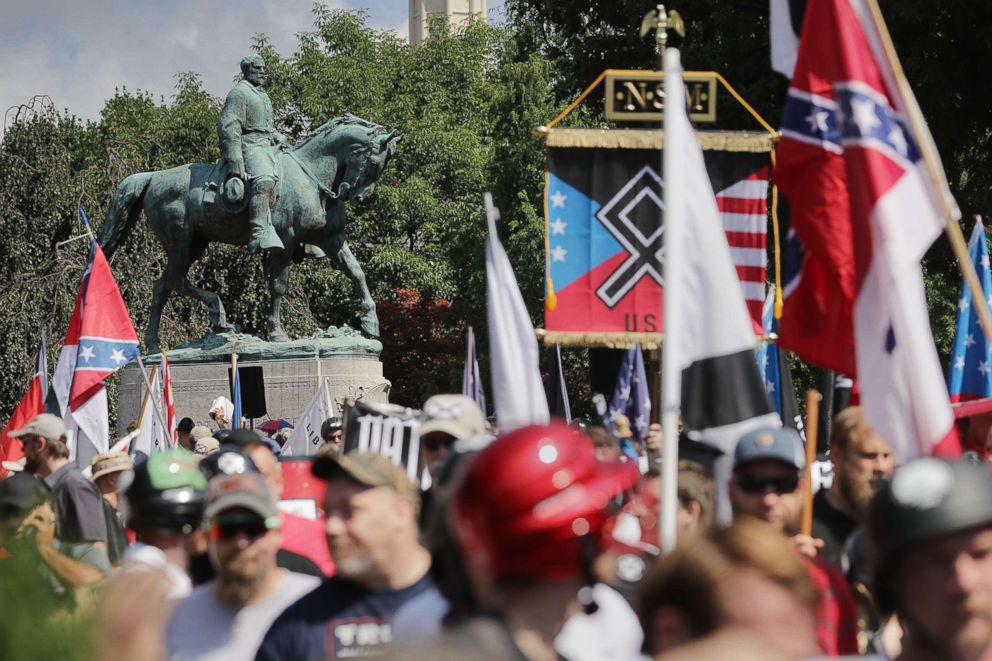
(186, 425)
(241, 437)
(927, 499)
(228, 460)
(22, 491)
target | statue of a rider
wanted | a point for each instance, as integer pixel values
(249, 143)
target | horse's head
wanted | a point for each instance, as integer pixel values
(364, 162)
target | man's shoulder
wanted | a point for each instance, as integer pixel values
(70, 478)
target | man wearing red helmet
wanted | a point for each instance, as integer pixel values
(526, 517)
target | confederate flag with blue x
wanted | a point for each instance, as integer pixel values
(864, 210)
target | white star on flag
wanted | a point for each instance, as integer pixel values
(959, 363)
(962, 304)
(864, 115)
(983, 367)
(639, 421)
(614, 413)
(86, 353)
(558, 227)
(817, 120)
(558, 254)
(770, 387)
(647, 403)
(985, 261)
(558, 200)
(968, 341)
(898, 139)
(989, 299)
(625, 393)
(117, 356)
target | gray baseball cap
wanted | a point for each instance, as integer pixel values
(45, 425)
(242, 491)
(781, 444)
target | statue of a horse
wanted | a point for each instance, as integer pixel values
(342, 160)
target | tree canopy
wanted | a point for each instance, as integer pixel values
(466, 101)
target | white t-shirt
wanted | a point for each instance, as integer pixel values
(204, 627)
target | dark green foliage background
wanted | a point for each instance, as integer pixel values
(466, 101)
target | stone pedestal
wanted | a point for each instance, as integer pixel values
(292, 373)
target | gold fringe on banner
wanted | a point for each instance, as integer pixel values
(746, 141)
(599, 340)
(648, 341)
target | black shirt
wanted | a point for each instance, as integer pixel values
(337, 620)
(116, 538)
(832, 526)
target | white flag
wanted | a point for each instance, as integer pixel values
(783, 35)
(518, 393)
(151, 435)
(305, 439)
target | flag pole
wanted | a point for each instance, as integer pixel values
(938, 184)
(812, 423)
(670, 377)
(144, 400)
(148, 385)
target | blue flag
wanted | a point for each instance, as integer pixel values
(768, 355)
(471, 383)
(970, 372)
(236, 396)
(631, 397)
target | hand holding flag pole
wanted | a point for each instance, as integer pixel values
(938, 183)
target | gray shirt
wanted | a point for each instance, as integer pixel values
(204, 627)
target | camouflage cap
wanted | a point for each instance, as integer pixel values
(367, 468)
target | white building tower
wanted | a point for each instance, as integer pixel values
(456, 11)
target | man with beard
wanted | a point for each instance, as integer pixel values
(370, 507)
(931, 528)
(77, 502)
(766, 485)
(227, 617)
(862, 462)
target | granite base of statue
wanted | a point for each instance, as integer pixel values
(292, 371)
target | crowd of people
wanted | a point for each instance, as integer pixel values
(535, 543)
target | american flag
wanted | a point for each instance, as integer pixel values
(744, 211)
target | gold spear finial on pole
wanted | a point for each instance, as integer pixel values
(661, 22)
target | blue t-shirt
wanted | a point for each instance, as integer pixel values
(337, 620)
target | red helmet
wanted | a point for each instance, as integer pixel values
(528, 499)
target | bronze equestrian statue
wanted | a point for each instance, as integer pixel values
(189, 206)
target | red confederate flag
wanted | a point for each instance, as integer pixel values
(32, 404)
(864, 214)
(100, 340)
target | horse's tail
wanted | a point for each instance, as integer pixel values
(123, 212)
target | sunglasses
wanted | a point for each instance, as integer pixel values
(251, 527)
(435, 441)
(760, 484)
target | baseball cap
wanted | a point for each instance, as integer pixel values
(242, 437)
(457, 415)
(770, 444)
(45, 425)
(14, 466)
(367, 468)
(206, 445)
(243, 491)
(110, 462)
(22, 491)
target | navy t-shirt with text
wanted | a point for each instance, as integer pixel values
(337, 620)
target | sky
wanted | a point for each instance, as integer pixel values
(78, 51)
